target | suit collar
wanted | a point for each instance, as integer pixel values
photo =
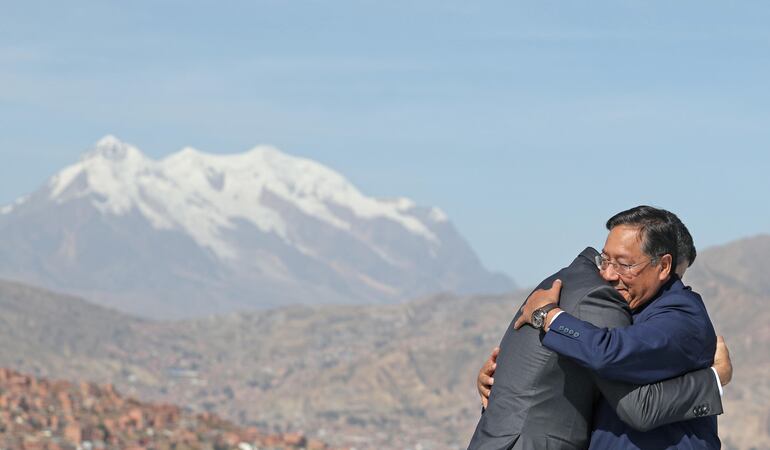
(590, 254)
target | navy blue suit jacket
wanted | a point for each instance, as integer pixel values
(671, 335)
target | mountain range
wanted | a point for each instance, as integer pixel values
(369, 376)
(196, 234)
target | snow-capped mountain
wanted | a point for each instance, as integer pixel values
(196, 233)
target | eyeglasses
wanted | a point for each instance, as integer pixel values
(602, 263)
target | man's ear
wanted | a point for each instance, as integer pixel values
(666, 267)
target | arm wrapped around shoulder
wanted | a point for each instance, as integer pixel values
(694, 394)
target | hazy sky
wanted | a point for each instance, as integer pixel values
(529, 123)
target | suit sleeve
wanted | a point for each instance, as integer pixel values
(668, 343)
(644, 407)
(694, 394)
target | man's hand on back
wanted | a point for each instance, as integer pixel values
(537, 300)
(722, 363)
(485, 379)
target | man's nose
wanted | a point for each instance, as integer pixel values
(609, 273)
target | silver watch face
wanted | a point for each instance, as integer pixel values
(537, 318)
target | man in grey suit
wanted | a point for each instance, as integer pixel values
(543, 401)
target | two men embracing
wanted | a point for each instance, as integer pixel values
(611, 352)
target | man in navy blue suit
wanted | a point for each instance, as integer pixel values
(671, 333)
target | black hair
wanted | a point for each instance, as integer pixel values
(659, 230)
(684, 243)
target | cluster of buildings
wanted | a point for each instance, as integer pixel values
(38, 414)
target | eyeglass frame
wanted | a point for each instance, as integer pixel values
(600, 260)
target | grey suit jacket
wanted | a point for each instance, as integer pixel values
(541, 400)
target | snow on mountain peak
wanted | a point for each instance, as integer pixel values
(310, 186)
(109, 169)
(204, 194)
(111, 148)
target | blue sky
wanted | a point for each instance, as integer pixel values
(529, 123)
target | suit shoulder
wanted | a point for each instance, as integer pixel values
(606, 292)
(687, 305)
(587, 285)
(684, 299)
(604, 307)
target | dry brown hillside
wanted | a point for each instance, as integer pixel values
(384, 377)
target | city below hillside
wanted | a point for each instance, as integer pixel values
(40, 414)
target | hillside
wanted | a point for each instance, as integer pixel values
(733, 281)
(379, 377)
(58, 415)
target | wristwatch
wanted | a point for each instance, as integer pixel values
(538, 316)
